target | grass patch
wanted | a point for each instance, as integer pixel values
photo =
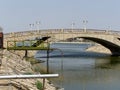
(39, 85)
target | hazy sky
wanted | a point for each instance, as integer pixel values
(17, 15)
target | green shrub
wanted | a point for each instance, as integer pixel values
(39, 85)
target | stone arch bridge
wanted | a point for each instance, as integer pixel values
(109, 39)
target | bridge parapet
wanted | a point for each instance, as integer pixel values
(63, 34)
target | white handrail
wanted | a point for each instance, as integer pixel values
(29, 76)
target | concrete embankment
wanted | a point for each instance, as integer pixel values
(13, 64)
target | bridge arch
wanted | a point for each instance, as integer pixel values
(115, 49)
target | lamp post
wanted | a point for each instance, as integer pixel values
(109, 28)
(38, 24)
(85, 23)
(31, 26)
(73, 28)
(72, 25)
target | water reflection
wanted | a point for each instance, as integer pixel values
(90, 74)
(80, 70)
(109, 62)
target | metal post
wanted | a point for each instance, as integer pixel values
(72, 29)
(107, 31)
(85, 22)
(72, 26)
(38, 23)
(48, 57)
(31, 26)
(63, 33)
(43, 83)
(26, 53)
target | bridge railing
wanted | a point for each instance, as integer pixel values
(51, 32)
(26, 45)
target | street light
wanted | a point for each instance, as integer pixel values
(72, 25)
(37, 24)
(72, 29)
(109, 28)
(31, 26)
(85, 23)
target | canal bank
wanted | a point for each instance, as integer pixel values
(13, 64)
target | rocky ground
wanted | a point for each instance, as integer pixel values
(11, 64)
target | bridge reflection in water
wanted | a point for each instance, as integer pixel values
(90, 72)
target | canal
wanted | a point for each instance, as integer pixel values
(81, 70)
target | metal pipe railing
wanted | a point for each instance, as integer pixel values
(29, 76)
